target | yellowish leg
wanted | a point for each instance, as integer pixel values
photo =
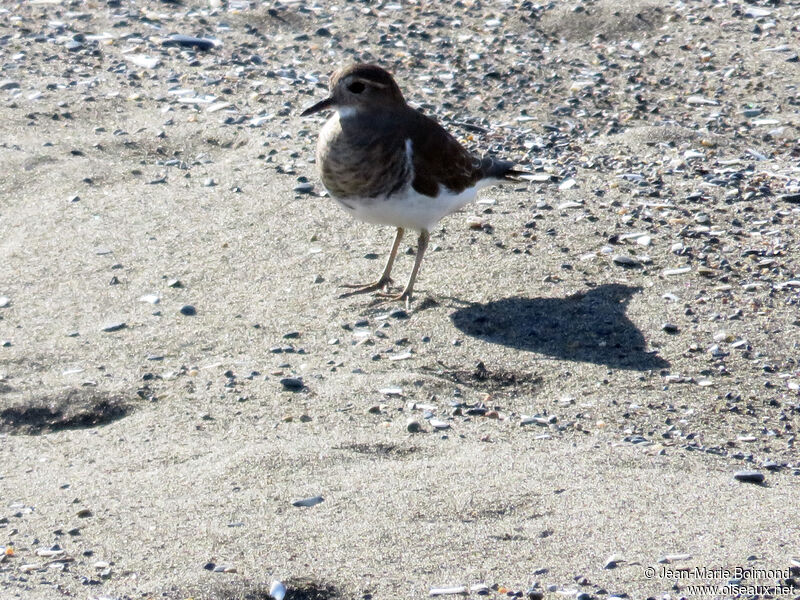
(422, 245)
(384, 278)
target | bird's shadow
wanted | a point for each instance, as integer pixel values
(587, 327)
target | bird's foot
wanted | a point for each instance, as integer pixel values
(404, 296)
(360, 288)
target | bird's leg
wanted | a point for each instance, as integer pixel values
(422, 244)
(384, 279)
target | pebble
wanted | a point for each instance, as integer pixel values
(438, 424)
(625, 260)
(4, 301)
(8, 84)
(292, 383)
(670, 328)
(111, 327)
(612, 562)
(309, 502)
(150, 299)
(413, 426)
(188, 310)
(749, 476)
(189, 42)
(304, 188)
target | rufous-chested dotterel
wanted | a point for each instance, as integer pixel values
(387, 163)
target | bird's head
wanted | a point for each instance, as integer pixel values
(359, 87)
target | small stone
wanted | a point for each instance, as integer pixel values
(83, 513)
(174, 283)
(612, 562)
(670, 328)
(8, 84)
(188, 310)
(224, 569)
(626, 261)
(113, 327)
(749, 476)
(150, 299)
(4, 301)
(440, 425)
(413, 426)
(309, 502)
(304, 188)
(292, 383)
(189, 41)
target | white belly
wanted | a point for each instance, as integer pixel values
(410, 209)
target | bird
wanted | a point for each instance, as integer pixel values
(386, 163)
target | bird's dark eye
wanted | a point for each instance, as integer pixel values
(356, 87)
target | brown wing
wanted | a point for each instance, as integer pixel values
(439, 160)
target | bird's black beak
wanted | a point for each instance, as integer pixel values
(321, 105)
